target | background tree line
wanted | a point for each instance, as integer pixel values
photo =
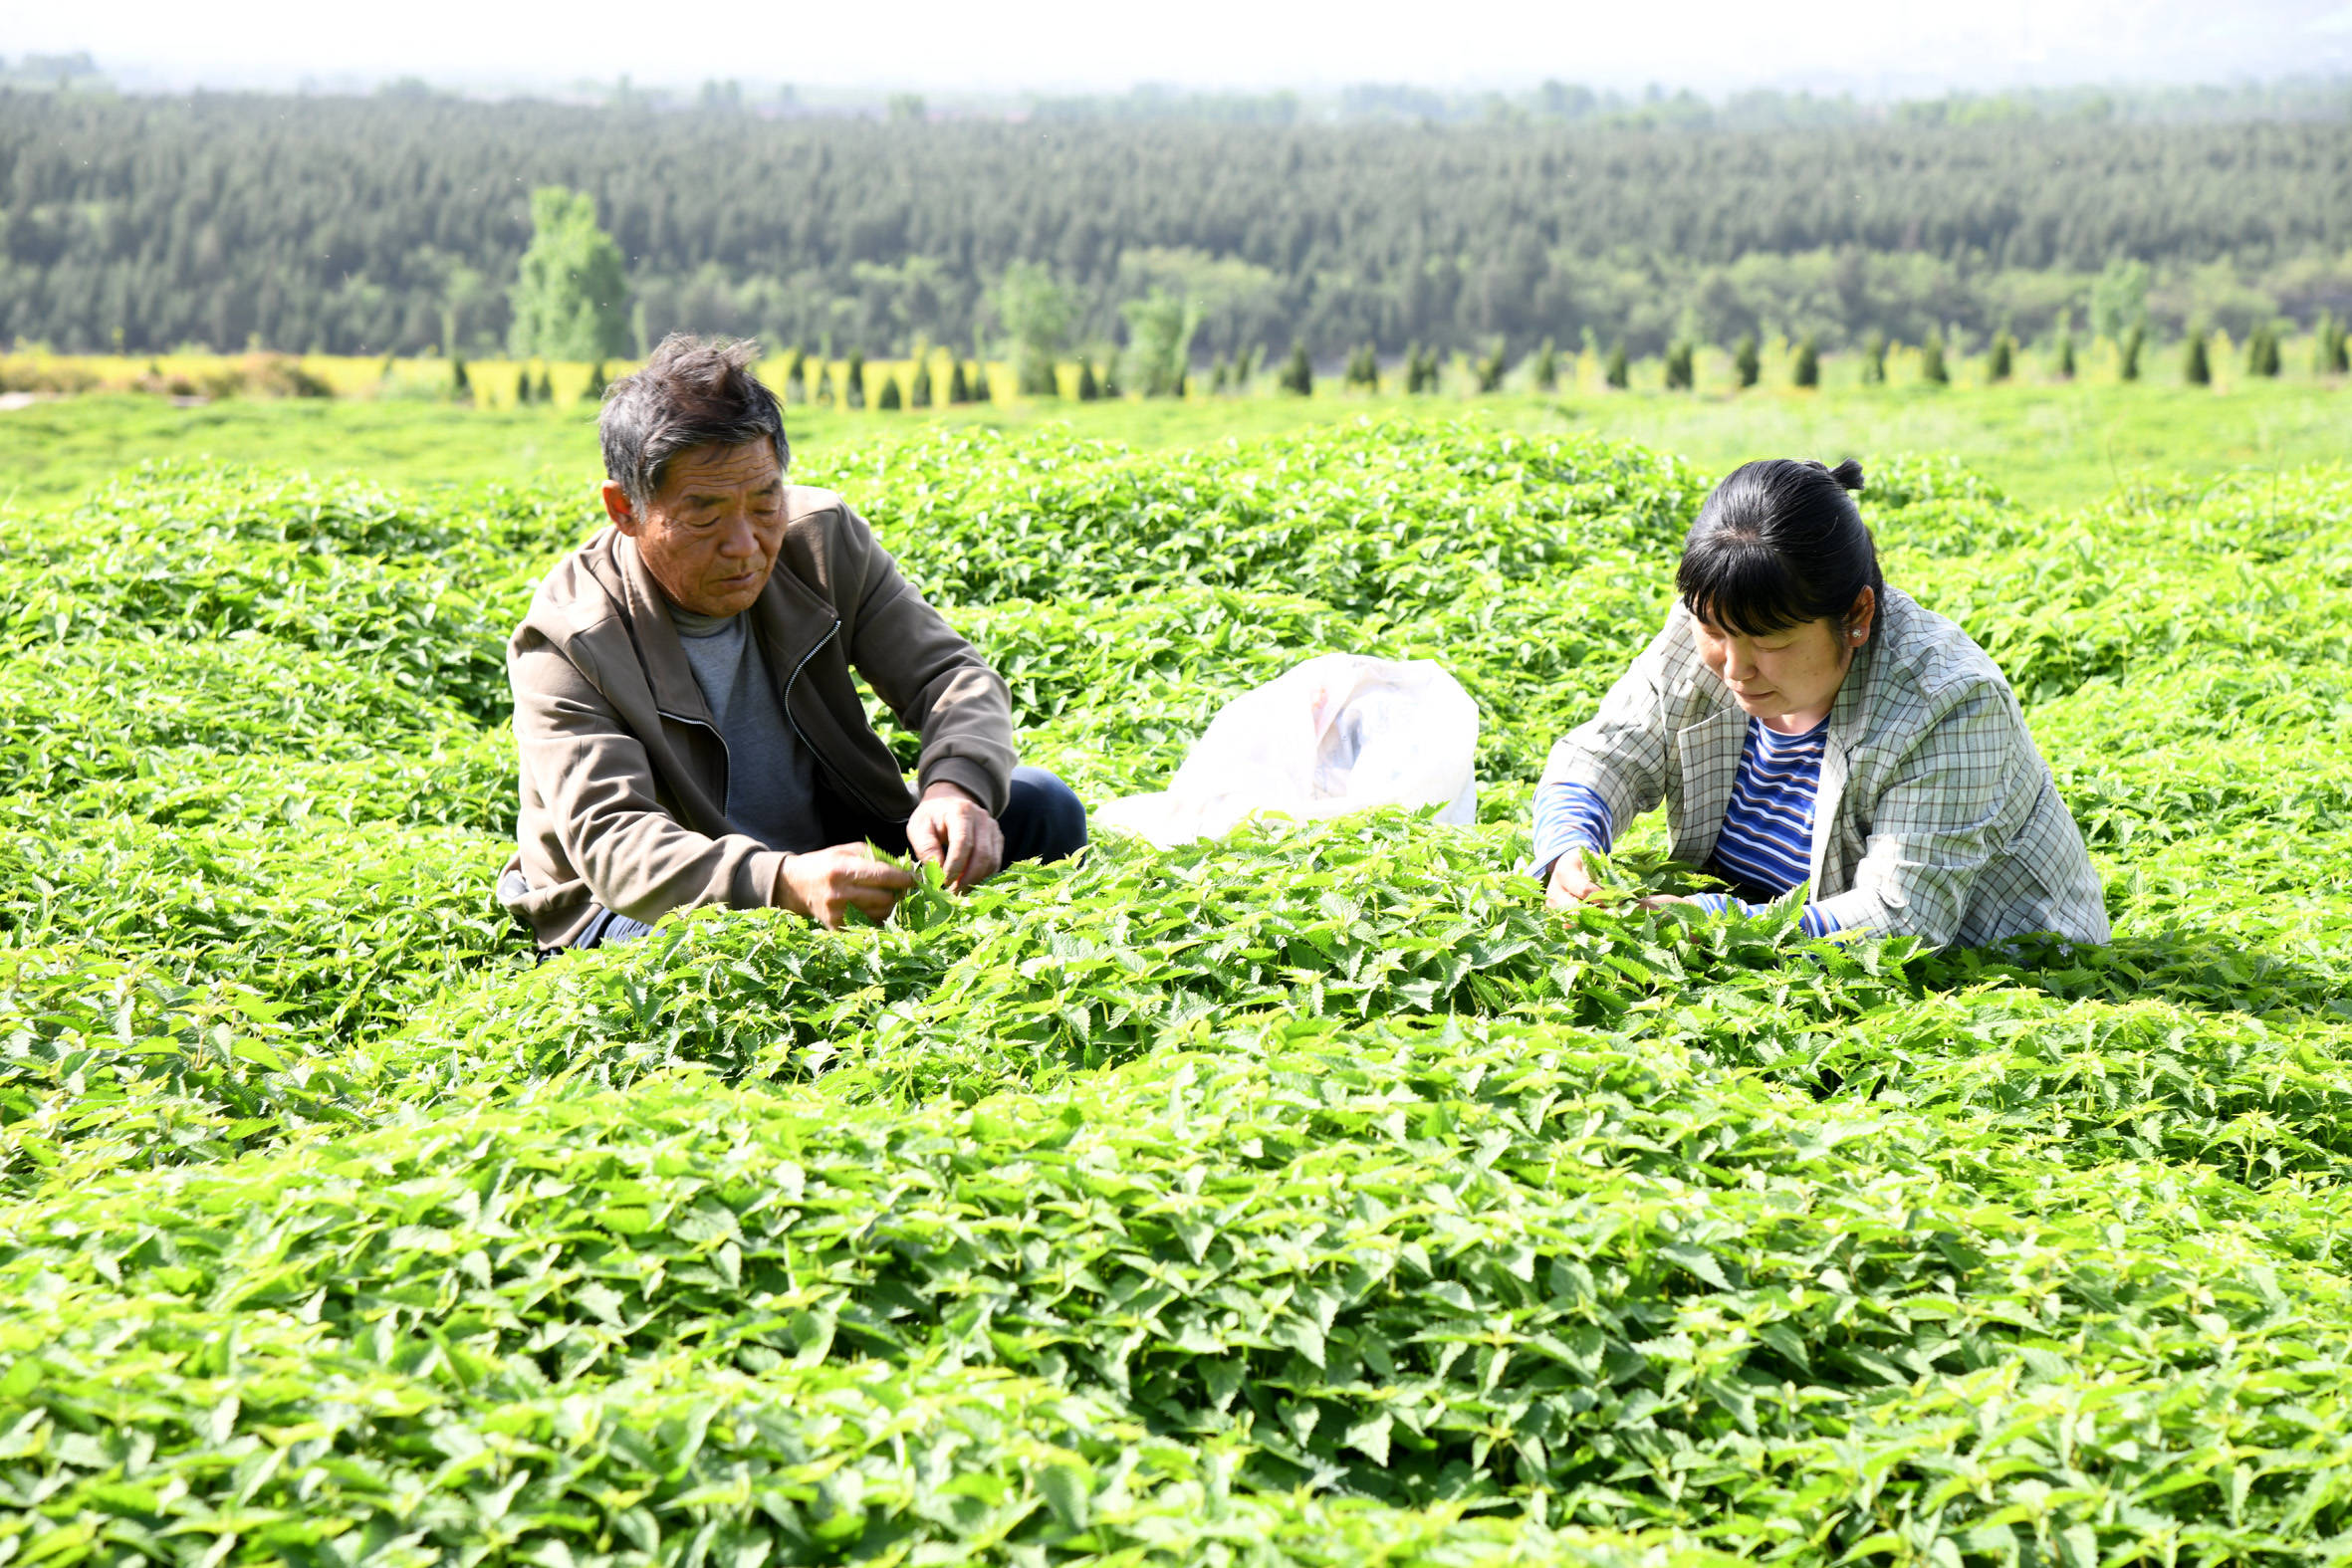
(397, 224)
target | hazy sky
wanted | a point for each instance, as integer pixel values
(1872, 48)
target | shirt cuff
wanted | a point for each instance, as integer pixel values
(1568, 815)
(968, 775)
(1815, 921)
(757, 887)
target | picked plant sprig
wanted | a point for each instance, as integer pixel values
(1614, 884)
(928, 903)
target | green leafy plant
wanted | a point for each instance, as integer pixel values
(1308, 1195)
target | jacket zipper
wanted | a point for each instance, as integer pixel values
(793, 681)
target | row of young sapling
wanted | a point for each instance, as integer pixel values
(1423, 370)
(809, 378)
(1546, 366)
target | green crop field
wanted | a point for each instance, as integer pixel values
(1311, 1197)
(2046, 444)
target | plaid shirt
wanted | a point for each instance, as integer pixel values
(1936, 817)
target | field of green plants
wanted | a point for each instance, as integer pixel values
(1313, 1197)
(2070, 444)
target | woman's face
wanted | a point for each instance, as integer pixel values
(1788, 678)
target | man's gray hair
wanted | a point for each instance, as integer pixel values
(692, 392)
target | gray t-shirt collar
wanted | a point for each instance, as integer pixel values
(690, 624)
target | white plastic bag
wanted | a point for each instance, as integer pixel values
(1336, 734)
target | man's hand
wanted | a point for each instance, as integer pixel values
(827, 885)
(950, 831)
(1569, 885)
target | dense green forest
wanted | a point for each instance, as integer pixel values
(395, 224)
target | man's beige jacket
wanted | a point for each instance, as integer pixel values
(624, 771)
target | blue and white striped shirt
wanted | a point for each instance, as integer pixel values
(1765, 847)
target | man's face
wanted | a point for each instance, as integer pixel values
(709, 536)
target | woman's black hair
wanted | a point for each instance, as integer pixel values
(1778, 543)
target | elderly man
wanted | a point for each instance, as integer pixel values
(689, 730)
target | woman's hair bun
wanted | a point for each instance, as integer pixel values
(1848, 475)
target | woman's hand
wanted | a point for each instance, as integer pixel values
(1567, 885)
(1570, 885)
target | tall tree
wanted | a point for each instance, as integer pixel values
(1680, 370)
(2262, 350)
(1546, 370)
(571, 293)
(2322, 331)
(2119, 299)
(2197, 365)
(1807, 371)
(1297, 373)
(1487, 372)
(1036, 311)
(1932, 368)
(1747, 362)
(1160, 330)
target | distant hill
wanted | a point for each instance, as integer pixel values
(371, 225)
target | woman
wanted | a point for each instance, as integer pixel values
(1812, 729)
